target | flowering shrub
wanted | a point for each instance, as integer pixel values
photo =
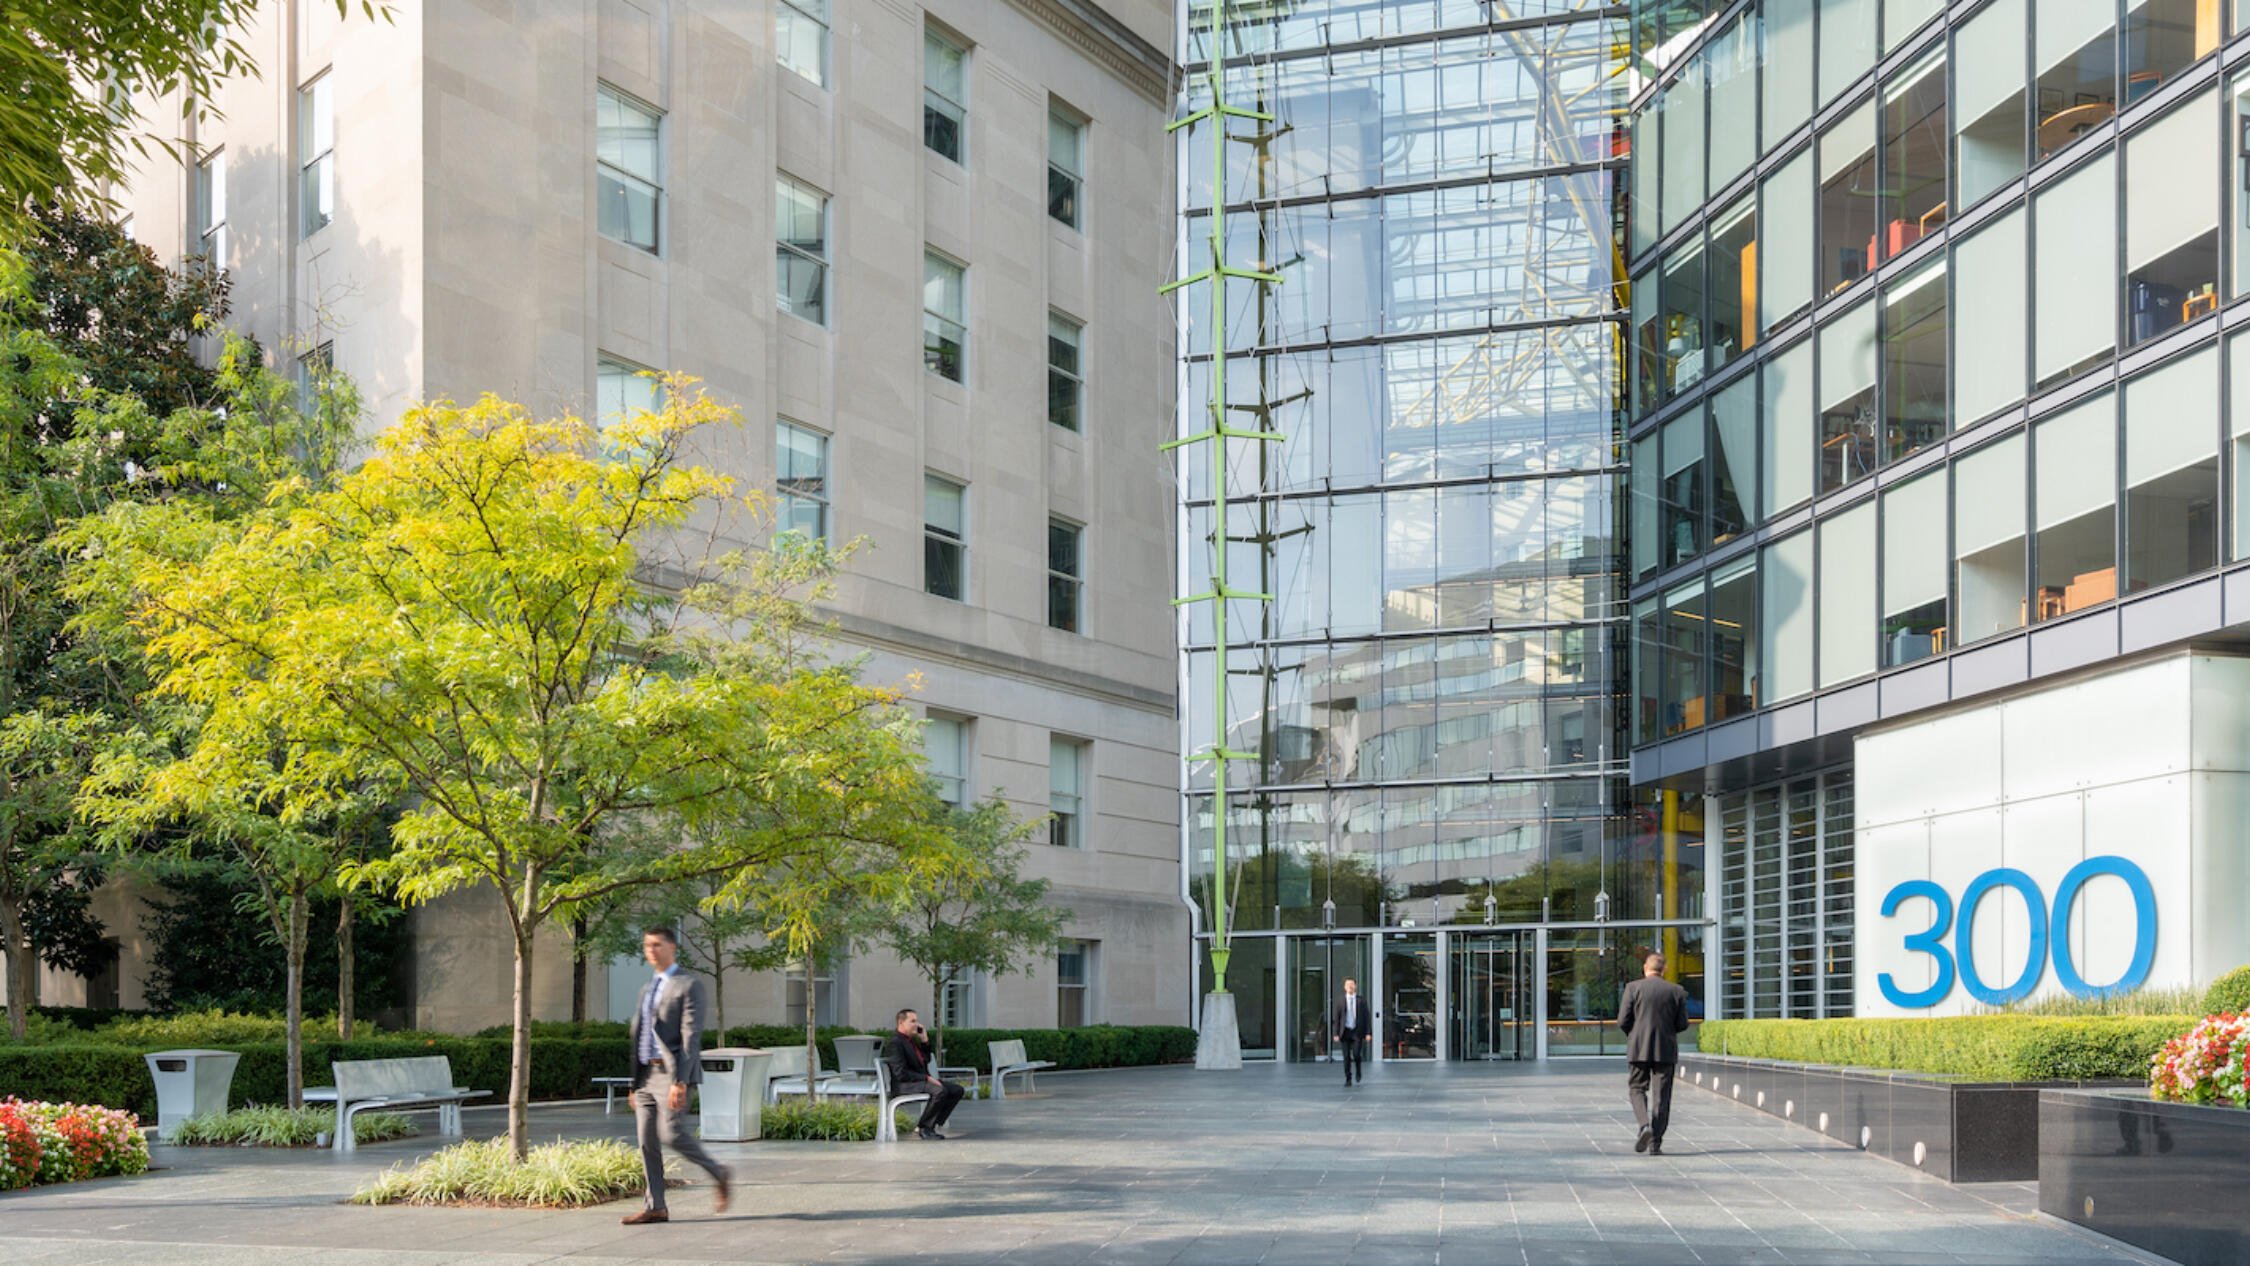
(2205, 1065)
(64, 1142)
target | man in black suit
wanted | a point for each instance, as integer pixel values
(907, 1057)
(1653, 1013)
(1352, 1029)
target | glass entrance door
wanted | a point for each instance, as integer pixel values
(1491, 997)
(1318, 968)
(1407, 1020)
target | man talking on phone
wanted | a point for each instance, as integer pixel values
(907, 1057)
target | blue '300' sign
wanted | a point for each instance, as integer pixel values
(1932, 940)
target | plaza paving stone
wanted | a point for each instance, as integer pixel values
(1442, 1164)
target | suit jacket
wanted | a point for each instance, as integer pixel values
(907, 1060)
(1363, 1023)
(1653, 1013)
(679, 1028)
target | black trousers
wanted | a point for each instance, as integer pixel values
(1355, 1054)
(1637, 1083)
(943, 1095)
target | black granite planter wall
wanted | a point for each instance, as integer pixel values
(1957, 1130)
(2167, 1177)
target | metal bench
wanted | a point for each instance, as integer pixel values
(610, 1086)
(1008, 1057)
(424, 1081)
(858, 1054)
(785, 1074)
(877, 1086)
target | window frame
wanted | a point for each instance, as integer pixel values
(1072, 582)
(784, 184)
(788, 497)
(211, 191)
(941, 538)
(1066, 823)
(957, 111)
(820, 22)
(963, 729)
(653, 185)
(1073, 377)
(316, 171)
(627, 373)
(1072, 177)
(959, 325)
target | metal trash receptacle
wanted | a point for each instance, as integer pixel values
(189, 1084)
(733, 1094)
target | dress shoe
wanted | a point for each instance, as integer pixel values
(726, 1189)
(1656, 1147)
(927, 1133)
(646, 1216)
(1641, 1144)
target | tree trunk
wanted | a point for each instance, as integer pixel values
(812, 1036)
(344, 984)
(23, 967)
(719, 997)
(519, 1067)
(295, 1012)
(937, 1015)
(577, 969)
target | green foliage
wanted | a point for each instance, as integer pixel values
(2145, 1001)
(197, 960)
(575, 1029)
(1094, 1046)
(565, 1174)
(1981, 1047)
(768, 1037)
(283, 1127)
(123, 318)
(829, 1121)
(2229, 994)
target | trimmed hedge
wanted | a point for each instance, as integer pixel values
(2229, 994)
(1095, 1046)
(1982, 1047)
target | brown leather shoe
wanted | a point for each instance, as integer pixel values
(726, 1188)
(646, 1216)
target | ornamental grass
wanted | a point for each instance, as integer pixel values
(42, 1143)
(257, 1126)
(829, 1121)
(565, 1174)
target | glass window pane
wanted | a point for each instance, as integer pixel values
(1683, 487)
(1734, 459)
(944, 67)
(2163, 38)
(1849, 189)
(1914, 355)
(1648, 536)
(801, 479)
(1847, 44)
(1648, 674)
(801, 250)
(1643, 204)
(1684, 350)
(625, 136)
(1734, 638)
(945, 534)
(1989, 298)
(2172, 471)
(1732, 276)
(1914, 136)
(2074, 258)
(2238, 189)
(1902, 18)
(1786, 412)
(1988, 538)
(1991, 114)
(1787, 218)
(1732, 82)
(1682, 691)
(1787, 75)
(1682, 156)
(944, 334)
(1064, 387)
(2172, 220)
(1651, 367)
(2238, 415)
(945, 747)
(1848, 446)
(1914, 570)
(2074, 45)
(2074, 508)
(1786, 590)
(801, 38)
(1847, 594)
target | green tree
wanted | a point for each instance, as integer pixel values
(713, 940)
(468, 615)
(126, 321)
(983, 915)
(67, 132)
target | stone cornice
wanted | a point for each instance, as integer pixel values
(1086, 27)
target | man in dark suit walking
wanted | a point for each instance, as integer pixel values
(1653, 1013)
(907, 1057)
(1352, 1029)
(667, 1040)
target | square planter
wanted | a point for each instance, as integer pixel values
(2166, 1177)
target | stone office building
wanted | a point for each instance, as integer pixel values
(919, 245)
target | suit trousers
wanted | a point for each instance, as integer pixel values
(659, 1127)
(943, 1096)
(1354, 1044)
(1637, 1083)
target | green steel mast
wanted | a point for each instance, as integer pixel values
(1219, 1042)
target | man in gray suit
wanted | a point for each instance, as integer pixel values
(1653, 1014)
(667, 1037)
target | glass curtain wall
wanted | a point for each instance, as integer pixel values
(1432, 694)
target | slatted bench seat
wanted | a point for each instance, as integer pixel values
(1008, 1057)
(610, 1086)
(425, 1081)
(785, 1074)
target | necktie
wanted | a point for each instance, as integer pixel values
(649, 1050)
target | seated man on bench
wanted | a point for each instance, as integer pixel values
(907, 1058)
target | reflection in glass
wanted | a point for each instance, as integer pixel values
(1913, 155)
(1847, 594)
(1785, 428)
(1494, 1010)
(1682, 153)
(1733, 274)
(1319, 966)
(1991, 113)
(1731, 71)
(1685, 357)
(2171, 221)
(1848, 447)
(2172, 471)
(1684, 625)
(1734, 459)
(1850, 196)
(1787, 73)
(2075, 51)
(1734, 638)
(1988, 539)
(2163, 38)
(1648, 536)
(1407, 1020)
(2074, 254)
(2074, 499)
(1914, 347)
(1683, 487)
(1648, 673)
(1914, 571)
